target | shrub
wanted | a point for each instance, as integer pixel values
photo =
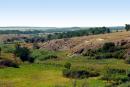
(118, 54)
(75, 73)
(116, 75)
(108, 47)
(80, 74)
(23, 53)
(67, 65)
(127, 60)
(48, 56)
(103, 56)
(8, 63)
(41, 55)
(89, 52)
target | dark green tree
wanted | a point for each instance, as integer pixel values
(127, 27)
(23, 53)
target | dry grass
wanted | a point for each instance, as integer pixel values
(93, 41)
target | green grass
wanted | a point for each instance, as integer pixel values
(40, 75)
(49, 73)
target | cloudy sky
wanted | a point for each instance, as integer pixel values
(64, 13)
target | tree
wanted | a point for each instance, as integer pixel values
(127, 27)
(23, 53)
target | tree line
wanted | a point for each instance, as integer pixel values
(86, 32)
(20, 32)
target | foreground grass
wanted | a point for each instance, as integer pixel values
(41, 75)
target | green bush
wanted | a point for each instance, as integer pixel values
(79, 74)
(41, 55)
(8, 48)
(48, 56)
(103, 56)
(23, 53)
(108, 50)
(75, 73)
(108, 47)
(118, 54)
(127, 84)
(127, 60)
(116, 75)
(67, 65)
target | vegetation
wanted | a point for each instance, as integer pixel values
(69, 34)
(107, 66)
(20, 32)
(67, 65)
(108, 50)
(23, 53)
(127, 27)
(42, 55)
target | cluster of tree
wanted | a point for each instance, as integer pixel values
(23, 53)
(69, 34)
(108, 50)
(127, 27)
(20, 32)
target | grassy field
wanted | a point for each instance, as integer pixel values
(49, 73)
(41, 75)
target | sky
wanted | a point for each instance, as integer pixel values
(64, 13)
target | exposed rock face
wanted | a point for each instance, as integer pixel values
(79, 44)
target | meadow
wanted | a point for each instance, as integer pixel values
(49, 73)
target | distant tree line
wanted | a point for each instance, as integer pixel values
(20, 32)
(69, 34)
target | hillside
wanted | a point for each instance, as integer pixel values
(24, 64)
(78, 44)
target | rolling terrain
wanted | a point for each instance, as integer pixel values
(48, 68)
(78, 44)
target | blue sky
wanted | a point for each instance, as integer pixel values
(64, 13)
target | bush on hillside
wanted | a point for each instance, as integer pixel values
(89, 52)
(103, 56)
(118, 54)
(23, 53)
(48, 56)
(67, 65)
(79, 74)
(41, 55)
(127, 60)
(116, 75)
(8, 63)
(108, 47)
